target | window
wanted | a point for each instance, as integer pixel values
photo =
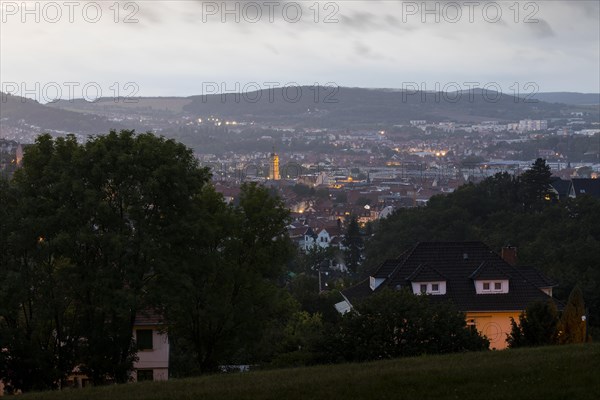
(144, 339)
(145, 375)
(492, 287)
(435, 287)
(423, 288)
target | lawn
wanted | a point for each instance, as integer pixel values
(558, 372)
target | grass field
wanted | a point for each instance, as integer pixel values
(560, 372)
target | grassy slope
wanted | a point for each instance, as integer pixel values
(561, 372)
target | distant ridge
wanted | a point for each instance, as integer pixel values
(351, 106)
(572, 98)
(302, 106)
(16, 110)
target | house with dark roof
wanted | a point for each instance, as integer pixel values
(487, 288)
(560, 188)
(585, 187)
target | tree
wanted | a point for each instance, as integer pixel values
(223, 291)
(92, 225)
(537, 326)
(394, 324)
(354, 245)
(296, 346)
(314, 258)
(535, 184)
(572, 326)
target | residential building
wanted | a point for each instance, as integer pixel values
(584, 187)
(153, 349)
(490, 290)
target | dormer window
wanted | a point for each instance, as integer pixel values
(433, 288)
(491, 286)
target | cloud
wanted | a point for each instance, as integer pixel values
(272, 49)
(541, 28)
(361, 49)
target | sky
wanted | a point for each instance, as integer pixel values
(180, 48)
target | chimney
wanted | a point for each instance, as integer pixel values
(509, 254)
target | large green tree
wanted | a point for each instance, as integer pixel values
(91, 227)
(219, 297)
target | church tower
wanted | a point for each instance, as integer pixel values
(274, 166)
(19, 155)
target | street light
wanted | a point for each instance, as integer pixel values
(584, 320)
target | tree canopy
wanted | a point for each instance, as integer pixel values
(397, 323)
(92, 234)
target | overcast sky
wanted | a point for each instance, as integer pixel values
(179, 47)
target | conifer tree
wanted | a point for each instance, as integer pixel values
(572, 324)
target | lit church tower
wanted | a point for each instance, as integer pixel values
(274, 167)
(19, 154)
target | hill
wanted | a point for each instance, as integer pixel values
(167, 106)
(572, 98)
(349, 106)
(333, 107)
(18, 111)
(559, 372)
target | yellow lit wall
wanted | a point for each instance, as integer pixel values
(495, 325)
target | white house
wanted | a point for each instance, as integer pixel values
(153, 349)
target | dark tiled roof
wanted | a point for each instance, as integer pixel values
(457, 262)
(385, 269)
(561, 186)
(536, 277)
(590, 187)
(425, 273)
(488, 271)
(358, 291)
(148, 317)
